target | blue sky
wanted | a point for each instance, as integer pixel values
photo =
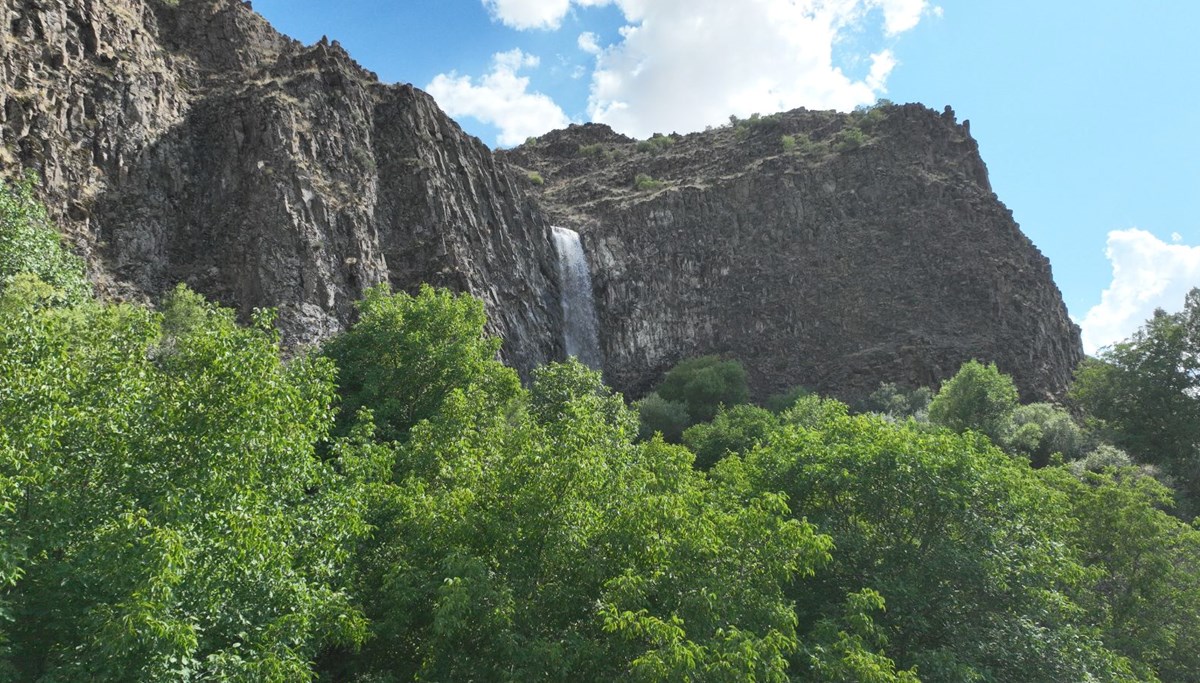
(1086, 113)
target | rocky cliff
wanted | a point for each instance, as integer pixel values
(190, 142)
(830, 250)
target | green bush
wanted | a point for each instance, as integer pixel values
(536, 178)
(645, 183)
(777, 403)
(849, 138)
(979, 397)
(1041, 430)
(788, 142)
(657, 143)
(704, 384)
(30, 243)
(594, 150)
(660, 416)
(734, 430)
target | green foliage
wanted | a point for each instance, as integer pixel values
(704, 384)
(657, 415)
(963, 541)
(811, 412)
(542, 544)
(174, 522)
(657, 143)
(1043, 430)
(733, 430)
(536, 178)
(1144, 580)
(593, 150)
(407, 353)
(788, 142)
(1144, 394)
(30, 244)
(849, 138)
(979, 397)
(869, 116)
(645, 183)
(777, 403)
(898, 403)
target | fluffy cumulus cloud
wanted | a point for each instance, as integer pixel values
(534, 14)
(1148, 273)
(501, 98)
(683, 64)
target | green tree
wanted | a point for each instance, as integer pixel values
(544, 544)
(174, 522)
(964, 542)
(1043, 430)
(29, 243)
(406, 353)
(1144, 394)
(899, 403)
(733, 430)
(1143, 583)
(656, 415)
(704, 384)
(979, 397)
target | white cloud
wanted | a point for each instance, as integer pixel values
(1147, 274)
(902, 15)
(527, 14)
(589, 43)
(536, 14)
(685, 64)
(500, 98)
(881, 67)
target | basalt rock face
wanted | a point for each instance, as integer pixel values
(190, 142)
(829, 250)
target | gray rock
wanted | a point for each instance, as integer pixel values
(191, 142)
(814, 263)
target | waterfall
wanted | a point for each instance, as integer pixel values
(580, 328)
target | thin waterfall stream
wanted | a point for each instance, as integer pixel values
(581, 330)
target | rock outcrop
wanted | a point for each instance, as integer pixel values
(830, 250)
(190, 142)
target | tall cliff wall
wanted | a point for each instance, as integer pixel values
(192, 143)
(862, 248)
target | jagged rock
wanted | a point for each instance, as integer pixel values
(189, 141)
(813, 260)
(192, 142)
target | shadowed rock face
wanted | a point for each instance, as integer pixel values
(811, 259)
(193, 143)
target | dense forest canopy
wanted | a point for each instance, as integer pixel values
(178, 503)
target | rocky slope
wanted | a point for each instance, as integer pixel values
(191, 142)
(834, 251)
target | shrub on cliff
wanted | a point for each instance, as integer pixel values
(644, 182)
(30, 243)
